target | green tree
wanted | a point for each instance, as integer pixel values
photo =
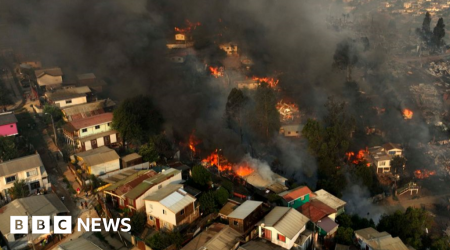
(344, 220)
(8, 148)
(265, 118)
(328, 141)
(156, 241)
(201, 176)
(426, 29)
(397, 164)
(208, 202)
(55, 112)
(19, 190)
(149, 152)
(439, 32)
(137, 222)
(344, 235)
(235, 108)
(441, 243)
(136, 119)
(163, 239)
(409, 225)
(222, 196)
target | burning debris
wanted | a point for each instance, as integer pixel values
(288, 111)
(272, 82)
(193, 142)
(424, 173)
(189, 27)
(407, 114)
(357, 158)
(439, 69)
(216, 71)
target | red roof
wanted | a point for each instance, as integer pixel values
(296, 193)
(91, 121)
(316, 210)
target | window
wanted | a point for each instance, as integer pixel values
(236, 223)
(289, 132)
(296, 132)
(32, 173)
(164, 211)
(11, 126)
(109, 124)
(182, 211)
(35, 185)
(10, 179)
(281, 238)
(151, 217)
(84, 130)
(68, 101)
(97, 127)
(392, 152)
(382, 163)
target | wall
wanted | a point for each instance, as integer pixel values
(274, 239)
(155, 209)
(92, 130)
(299, 202)
(75, 101)
(22, 176)
(105, 167)
(140, 200)
(49, 80)
(8, 129)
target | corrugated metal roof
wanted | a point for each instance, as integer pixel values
(163, 192)
(98, 156)
(228, 208)
(245, 209)
(177, 200)
(225, 239)
(48, 204)
(295, 193)
(328, 225)
(131, 157)
(7, 118)
(49, 71)
(87, 109)
(64, 94)
(89, 121)
(150, 182)
(285, 220)
(380, 241)
(20, 164)
(329, 199)
(79, 244)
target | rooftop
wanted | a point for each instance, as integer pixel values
(49, 71)
(79, 243)
(69, 93)
(131, 182)
(85, 110)
(227, 238)
(98, 156)
(173, 197)
(260, 244)
(388, 146)
(328, 225)
(7, 118)
(258, 181)
(38, 205)
(380, 241)
(295, 193)
(329, 199)
(86, 76)
(316, 210)
(245, 209)
(206, 235)
(131, 157)
(285, 220)
(20, 164)
(89, 121)
(150, 182)
(228, 208)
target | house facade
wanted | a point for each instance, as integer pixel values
(296, 197)
(171, 207)
(8, 124)
(98, 161)
(229, 48)
(49, 78)
(68, 97)
(244, 217)
(282, 226)
(380, 156)
(30, 169)
(91, 132)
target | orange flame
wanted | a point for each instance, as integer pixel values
(422, 174)
(216, 71)
(288, 111)
(189, 27)
(214, 159)
(243, 170)
(269, 80)
(358, 158)
(193, 141)
(407, 114)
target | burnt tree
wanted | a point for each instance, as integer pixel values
(345, 57)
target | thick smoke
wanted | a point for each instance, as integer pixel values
(359, 202)
(261, 167)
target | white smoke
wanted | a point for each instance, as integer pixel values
(359, 202)
(259, 166)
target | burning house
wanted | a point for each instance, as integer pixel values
(289, 118)
(183, 37)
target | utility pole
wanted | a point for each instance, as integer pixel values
(54, 130)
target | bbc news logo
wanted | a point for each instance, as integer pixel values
(63, 224)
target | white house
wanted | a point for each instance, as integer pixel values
(282, 226)
(49, 77)
(230, 48)
(29, 169)
(170, 207)
(381, 156)
(68, 97)
(371, 239)
(91, 132)
(130, 192)
(37, 205)
(393, 149)
(98, 161)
